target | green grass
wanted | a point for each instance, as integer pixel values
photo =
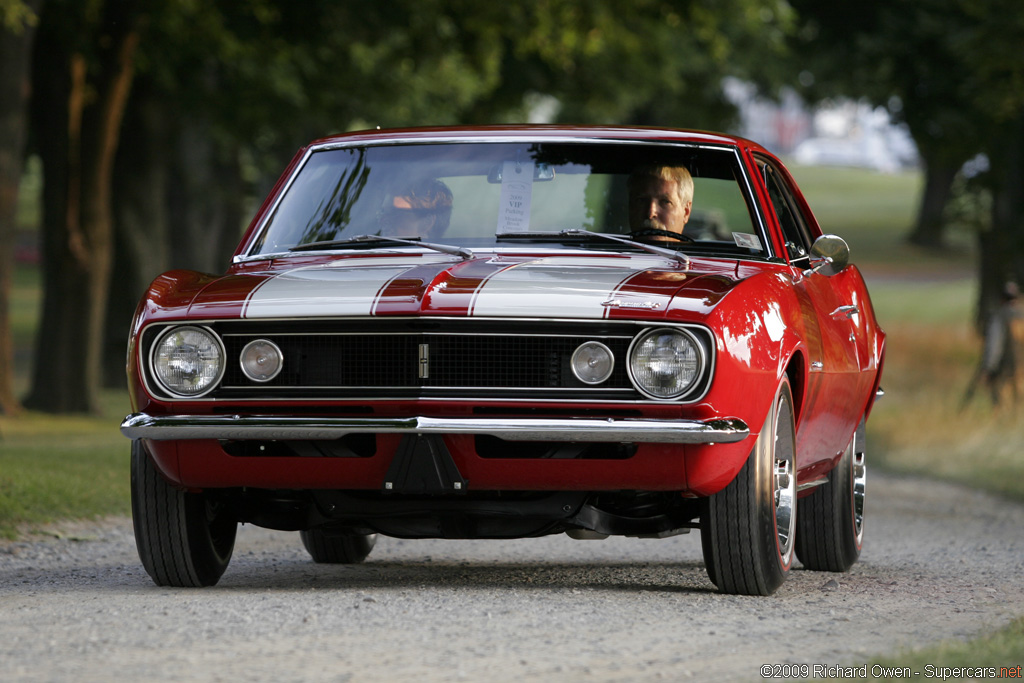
(56, 467)
(31, 189)
(66, 467)
(922, 426)
(874, 212)
(26, 298)
(922, 304)
(868, 205)
(1004, 648)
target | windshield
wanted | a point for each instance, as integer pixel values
(489, 194)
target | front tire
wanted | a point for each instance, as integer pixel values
(327, 548)
(184, 539)
(830, 530)
(748, 528)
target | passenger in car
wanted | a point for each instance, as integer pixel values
(660, 199)
(423, 210)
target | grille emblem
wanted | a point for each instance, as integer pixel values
(424, 361)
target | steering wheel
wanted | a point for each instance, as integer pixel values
(655, 232)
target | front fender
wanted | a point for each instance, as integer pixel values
(169, 296)
(760, 334)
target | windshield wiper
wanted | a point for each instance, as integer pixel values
(465, 254)
(650, 248)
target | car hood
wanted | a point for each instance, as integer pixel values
(498, 285)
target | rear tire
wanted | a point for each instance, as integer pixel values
(184, 539)
(327, 548)
(830, 530)
(748, 528)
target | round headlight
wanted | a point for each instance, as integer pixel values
(188, 361)
(592, 362)
(261, 360)
(665, 363)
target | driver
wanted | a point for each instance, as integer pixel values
(660, 198)
(422, 210)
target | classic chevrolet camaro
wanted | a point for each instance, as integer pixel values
(509, 332)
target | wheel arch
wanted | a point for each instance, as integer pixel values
(796, 371)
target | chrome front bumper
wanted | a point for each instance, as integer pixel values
(237, 427)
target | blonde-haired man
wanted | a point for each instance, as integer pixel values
(660, 198)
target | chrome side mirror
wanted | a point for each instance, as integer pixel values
(829, 255)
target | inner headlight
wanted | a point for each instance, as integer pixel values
(261, 360)
(592, 362)
(188, 361)
(665, 363)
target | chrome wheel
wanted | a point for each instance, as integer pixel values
(785, 508)
(748, 529)
(859, 476)
(831, 519)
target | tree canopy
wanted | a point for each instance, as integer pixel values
(159, 121)
(951, 70)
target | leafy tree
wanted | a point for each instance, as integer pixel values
(899, 54)
(989, 42)
(17, 31)
(647, 62)
(224, 91)
(952, 70)
(265, 77)
(261, 80)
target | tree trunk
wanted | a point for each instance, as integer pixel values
(141, 235)
(207, 199)
(1002, 247)
(15, 71)
(929, 231)
(85, 115)
(179, 204)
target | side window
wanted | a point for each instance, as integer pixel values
(794, 229)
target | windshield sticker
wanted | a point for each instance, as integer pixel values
(516, 191)
(746, 240)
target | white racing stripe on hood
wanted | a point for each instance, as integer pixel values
(557, 287)
(322, 292)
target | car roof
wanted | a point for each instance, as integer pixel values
(535, 132)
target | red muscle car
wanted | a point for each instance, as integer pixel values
(508, 332)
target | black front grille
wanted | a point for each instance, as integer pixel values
(332, 361)
(403, 358)
(497, 361)
(424, 361)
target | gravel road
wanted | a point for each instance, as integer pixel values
(940, 562)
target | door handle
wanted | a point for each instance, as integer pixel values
(848, 311)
